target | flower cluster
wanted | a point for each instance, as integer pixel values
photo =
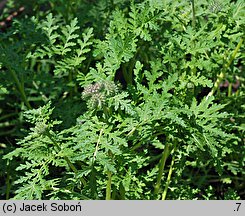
(40, 128)
(92, 89)
(215, 7)
(96, 94)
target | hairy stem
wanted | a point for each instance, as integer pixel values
(92, 181)
(109, 180)
(193, 14)
(164, 194)
(221, 76)
(230, 89)
(20, 88)
(108, 186)
(97, 146)
(8, 185)
(161, 168)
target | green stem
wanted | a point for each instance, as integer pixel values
(234, 53)
(8, 183)
(109, 180)
(169, 175)
(97, 146)
(131, 132)
(92, 181)
(161, 168)
(221, 76)
(20, 87)
(108, 186)
(193, 14)
(184, 25)
(230, 89)
(17, 81)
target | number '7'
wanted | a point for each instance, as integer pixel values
(239, 204)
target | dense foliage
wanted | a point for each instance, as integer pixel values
(119, 99)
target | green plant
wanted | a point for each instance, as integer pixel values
(133, 109)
